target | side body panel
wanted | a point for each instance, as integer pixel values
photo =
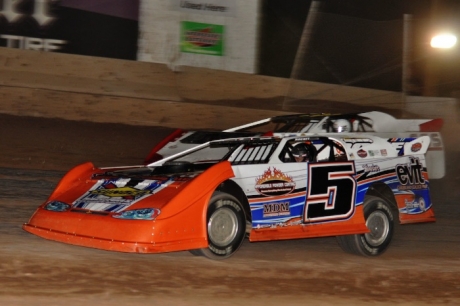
(312, 199)
(408, 180)
(301, 200)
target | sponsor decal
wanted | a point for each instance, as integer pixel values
(399, 143)
(416, 147)
(98, 28)
(36, 20)
(202, 38)
(117, 195)
(296, 221)
(400, 139)
(274, 182)
(410, 175)
(276, 209)
(302, 139)
(123, 192)
(384, 152)
(371, 168)
(374, 153)
(416, 204)
(362, 153)
(435, 139)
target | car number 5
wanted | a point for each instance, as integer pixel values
(331, 192)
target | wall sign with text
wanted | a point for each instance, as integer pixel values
(86, 27)
(202, 38)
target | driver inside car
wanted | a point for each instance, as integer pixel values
(300, 153)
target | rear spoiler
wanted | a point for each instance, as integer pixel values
(419, 145)
(434, 125)
(383, 122)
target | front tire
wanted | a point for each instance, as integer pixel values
(226, 227)
(380, 222)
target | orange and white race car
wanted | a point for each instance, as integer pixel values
(207, 199)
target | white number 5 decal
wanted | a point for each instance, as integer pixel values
(331, 192)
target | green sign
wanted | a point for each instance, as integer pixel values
(202, 38)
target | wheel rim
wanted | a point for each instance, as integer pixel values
(379, 226)
(222, 226)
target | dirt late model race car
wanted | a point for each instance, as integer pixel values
(375, 123)
(209, 198)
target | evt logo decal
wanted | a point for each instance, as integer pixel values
(410, 175)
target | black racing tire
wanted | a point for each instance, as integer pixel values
(380, 221)
(226, 227)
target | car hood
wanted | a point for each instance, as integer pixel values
(117, 194)
(88, 188)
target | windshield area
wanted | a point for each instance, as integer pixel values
(206, 154)
(236, 151)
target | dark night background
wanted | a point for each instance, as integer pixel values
(353, 42)
(360, 43)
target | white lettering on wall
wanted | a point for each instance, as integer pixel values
(32, 43)
(209, 7)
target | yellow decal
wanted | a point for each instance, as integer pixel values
(121, 192)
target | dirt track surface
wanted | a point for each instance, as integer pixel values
(421, 266)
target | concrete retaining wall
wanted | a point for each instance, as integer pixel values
(106, 90)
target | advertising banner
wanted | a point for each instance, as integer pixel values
(226, 8)
(106, 28)
(202, 38)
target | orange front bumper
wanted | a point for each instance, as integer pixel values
(118, 245)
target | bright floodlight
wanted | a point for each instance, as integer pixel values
(443, 41)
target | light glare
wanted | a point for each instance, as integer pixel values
(443, 41)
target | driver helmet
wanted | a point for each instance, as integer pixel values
(300, 151)
(341, 126)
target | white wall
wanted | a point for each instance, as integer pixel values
(159, 34)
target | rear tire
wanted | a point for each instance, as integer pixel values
(380, 221)
(226, 227)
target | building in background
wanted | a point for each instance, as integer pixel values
(170, 33)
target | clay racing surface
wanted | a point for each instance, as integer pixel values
(421, 266)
